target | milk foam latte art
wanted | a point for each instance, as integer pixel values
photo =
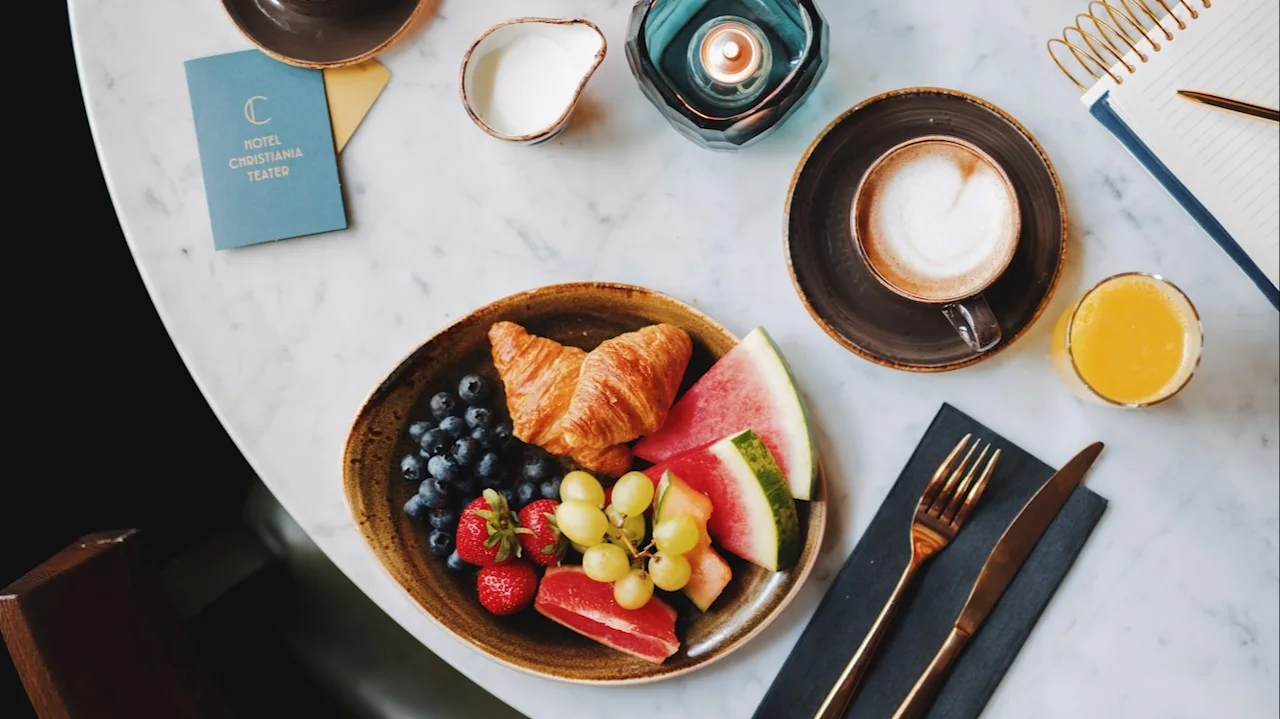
(937, 220)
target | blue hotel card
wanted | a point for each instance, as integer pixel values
(266, 149)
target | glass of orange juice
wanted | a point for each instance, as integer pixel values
(1134, 340)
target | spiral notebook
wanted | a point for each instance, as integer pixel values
(1130, 57)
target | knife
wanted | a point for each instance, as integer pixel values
(1002, 565)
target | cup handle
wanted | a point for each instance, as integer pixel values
(975, 322)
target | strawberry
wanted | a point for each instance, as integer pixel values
(507, 588)
(487, 531)
(542, 543)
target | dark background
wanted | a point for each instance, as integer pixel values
(111, 432)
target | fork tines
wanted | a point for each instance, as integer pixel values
(955, 488)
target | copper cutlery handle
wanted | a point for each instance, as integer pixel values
(922, 694)
(837, 701)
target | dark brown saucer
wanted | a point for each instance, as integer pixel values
(583, 315)
(835, 284)
(324, 33)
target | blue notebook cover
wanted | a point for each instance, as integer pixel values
(1110, 119)
(266, 149)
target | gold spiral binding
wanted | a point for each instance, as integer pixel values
(1111, 29)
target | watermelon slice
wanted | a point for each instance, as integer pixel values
(568, 596)
(749, 388)
(754, 515)
(710, 573)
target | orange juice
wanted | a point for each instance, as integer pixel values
(1132, 340)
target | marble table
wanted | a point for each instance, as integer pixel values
(1171, 610)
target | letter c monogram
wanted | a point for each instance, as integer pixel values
(251, 114)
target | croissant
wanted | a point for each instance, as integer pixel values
(626, 386)
(614, 460)
(540, 376)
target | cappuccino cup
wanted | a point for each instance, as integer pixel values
(936, 221)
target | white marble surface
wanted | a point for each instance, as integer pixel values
(1172, 609)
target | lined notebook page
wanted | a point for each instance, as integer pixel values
(1229, 161)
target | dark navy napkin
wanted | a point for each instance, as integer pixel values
(939, 591)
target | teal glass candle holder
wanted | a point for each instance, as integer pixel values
(725, 73)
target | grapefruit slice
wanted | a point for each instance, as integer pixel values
(754, 515)
(750, 387)
(710, 573)
(569, 597)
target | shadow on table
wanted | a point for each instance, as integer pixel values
(359, 653)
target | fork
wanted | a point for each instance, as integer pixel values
(944, 506)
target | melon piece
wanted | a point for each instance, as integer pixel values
(751, 387)
(753, 513)
(710, 573)
(568, 596)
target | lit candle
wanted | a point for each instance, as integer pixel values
(731, 52)
(730, 57)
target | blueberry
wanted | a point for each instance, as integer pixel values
(479, 417)
(509, 496)
(483, 437)
(493, 482)
(504, 437)
(489, 466)
(550, 489)
(444, 519)
(416, 507)
(412, 469)
(455, 427)
(536, 468)
(444, 405)
(440, 543)
(467, 487)
(443, 468)
(526, 492)
(434, 442)
(434, 493)
(466, 451)
(455, 563)
(474, 389)
(417, 429)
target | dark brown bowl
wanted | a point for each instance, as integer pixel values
(324, 33)
(580, 314)
(834, 282)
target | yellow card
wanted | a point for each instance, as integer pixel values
(352, 91)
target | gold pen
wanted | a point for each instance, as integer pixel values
(1227, 103)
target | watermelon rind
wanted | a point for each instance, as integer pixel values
(794, 430)
(772, 526)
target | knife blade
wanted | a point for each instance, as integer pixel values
(1021, 537)
(1001, 567)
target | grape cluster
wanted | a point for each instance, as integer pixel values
(611, 538)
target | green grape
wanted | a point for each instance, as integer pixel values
(670, 572)
(676, 535)
(582, 523)
(633, 493)
(635, 528)
(634, 590)
(606, 562)
(579, 486)
(615, 517)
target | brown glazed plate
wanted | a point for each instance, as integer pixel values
(580, 314)
(835, 284)
(324, 33)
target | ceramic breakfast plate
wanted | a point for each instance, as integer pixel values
(833, 281)
(583, 315)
